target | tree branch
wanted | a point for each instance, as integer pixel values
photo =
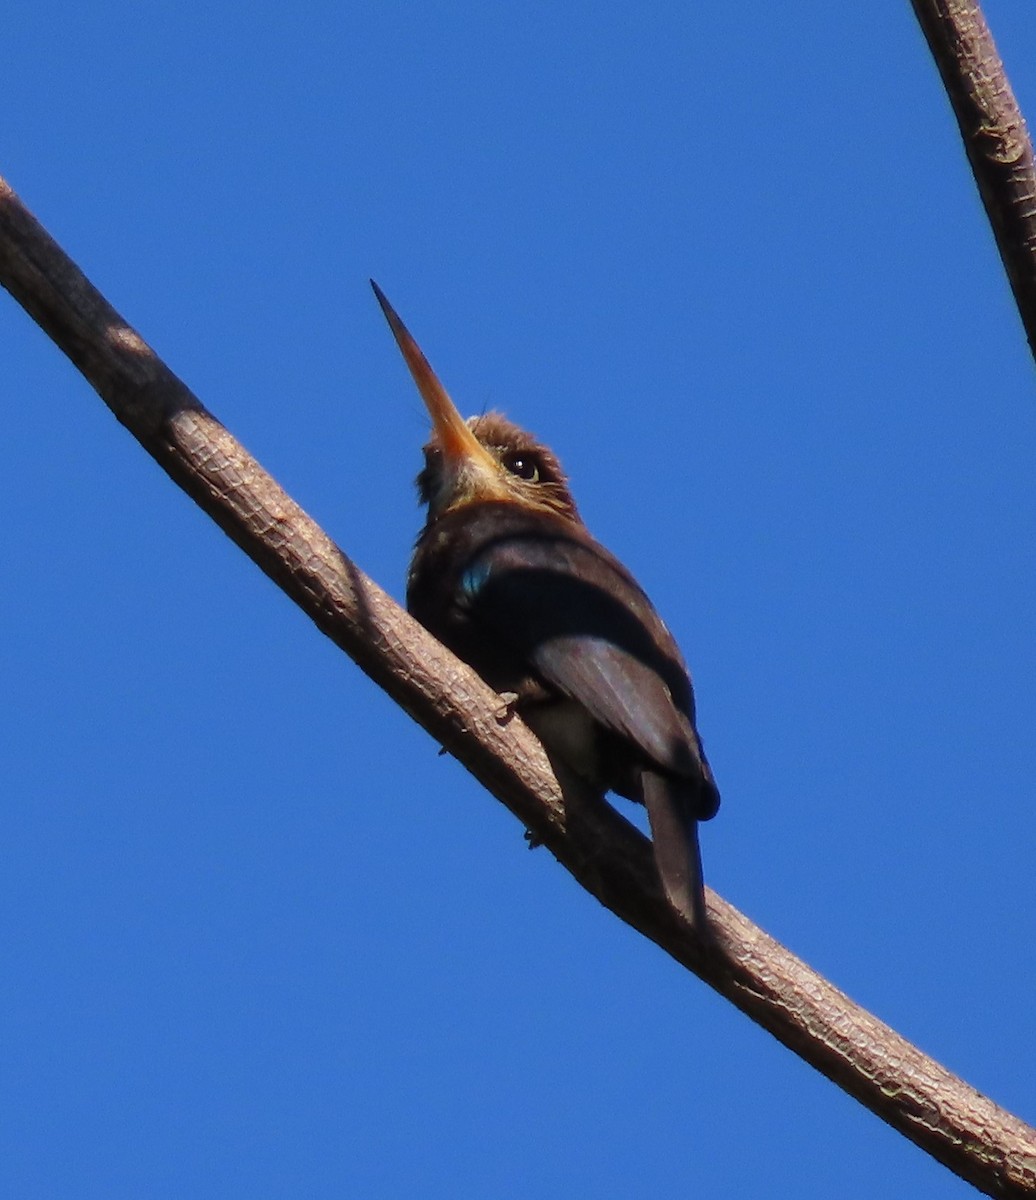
(608, 856)
(995, 137)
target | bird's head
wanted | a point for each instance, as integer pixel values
(483, 458)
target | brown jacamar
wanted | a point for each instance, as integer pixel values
(507, 576)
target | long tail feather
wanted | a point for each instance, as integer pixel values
(674, 834)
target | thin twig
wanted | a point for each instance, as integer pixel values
(995, 137)
(945, 1116)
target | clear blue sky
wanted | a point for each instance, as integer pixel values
(256, 938)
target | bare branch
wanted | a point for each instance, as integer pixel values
(945, 1116)
(995, 137)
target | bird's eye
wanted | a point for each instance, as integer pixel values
(524, 465)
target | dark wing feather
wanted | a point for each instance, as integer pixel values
(571, 611)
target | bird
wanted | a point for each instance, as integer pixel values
(507, 576)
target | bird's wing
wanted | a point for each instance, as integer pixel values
(568, 608)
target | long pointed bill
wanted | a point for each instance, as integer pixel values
(458, 443)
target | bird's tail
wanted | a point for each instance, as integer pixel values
(674, 834)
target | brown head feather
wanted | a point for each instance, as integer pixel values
(507, 443)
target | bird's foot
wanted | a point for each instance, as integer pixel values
(534, 840)
(506, 711)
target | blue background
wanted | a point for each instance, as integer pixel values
(256, 938)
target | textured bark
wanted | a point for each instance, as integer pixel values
(945, 1116)
(995, 137)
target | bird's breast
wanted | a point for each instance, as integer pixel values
(568, 732)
